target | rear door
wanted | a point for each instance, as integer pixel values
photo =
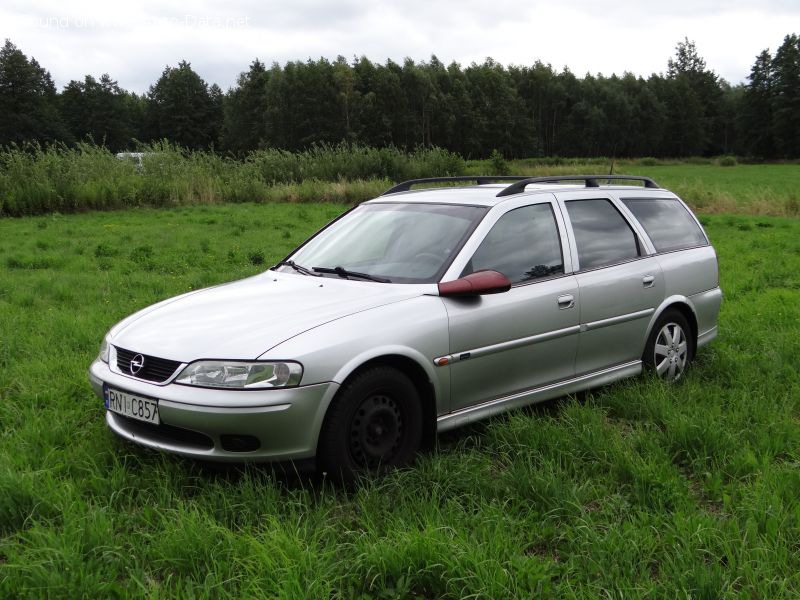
(620, 283)
(526, 337)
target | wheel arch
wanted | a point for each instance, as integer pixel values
(408, 362)
(683, 305)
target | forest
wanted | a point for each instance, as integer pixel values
(518, 110)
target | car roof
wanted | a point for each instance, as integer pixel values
(486, 194)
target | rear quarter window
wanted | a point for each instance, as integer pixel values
(667, 222)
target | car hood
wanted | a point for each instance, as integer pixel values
(244, 319)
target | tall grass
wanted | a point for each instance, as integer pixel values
(61, 179)
(36, 180)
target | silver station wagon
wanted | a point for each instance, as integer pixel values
(414, 313)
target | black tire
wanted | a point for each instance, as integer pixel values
(373, 424)
(665, 355)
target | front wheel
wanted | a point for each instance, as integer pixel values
(374, 423)
(670, 347)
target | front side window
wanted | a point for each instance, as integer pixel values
(401, 242)
(602, 236)
(667, 222)
(523, 245)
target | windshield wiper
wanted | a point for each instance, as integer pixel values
(298, 268)
(342, 272)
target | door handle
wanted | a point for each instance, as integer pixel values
(648, 280)
(566, 301)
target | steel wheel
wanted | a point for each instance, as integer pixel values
(376, 431)
(375, 423)
(670, 347)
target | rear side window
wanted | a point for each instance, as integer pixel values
(523, 245)
(602, 235)
(667, 222)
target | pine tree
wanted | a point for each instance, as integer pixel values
(28, 103)
(99, 110)
(245, 110)
(756, 114)
(180, 108)
(694, 103)
(786, 97)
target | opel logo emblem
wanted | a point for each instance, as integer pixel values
(137, 362)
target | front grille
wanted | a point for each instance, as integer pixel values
(154, 369)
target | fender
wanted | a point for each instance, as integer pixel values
(665, 304)
(392, 350)
(415, 329)
(373, 353)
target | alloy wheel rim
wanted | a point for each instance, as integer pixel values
(376, 431)
(671, 352)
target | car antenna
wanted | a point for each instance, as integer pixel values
(613, 154)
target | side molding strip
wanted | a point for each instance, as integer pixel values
(503, 346)
(640, 314)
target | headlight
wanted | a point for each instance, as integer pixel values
(241, 375)
(103, 355)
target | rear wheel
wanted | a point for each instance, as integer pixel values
(670, 347)
(374, 423)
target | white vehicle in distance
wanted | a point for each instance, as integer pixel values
(135, 157)
(414, 313)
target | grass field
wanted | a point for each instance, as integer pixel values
(638, 489)
(765, 189)
(753, 189)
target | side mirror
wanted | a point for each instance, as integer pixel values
(474, 284)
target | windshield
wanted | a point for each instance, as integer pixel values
(404, 243)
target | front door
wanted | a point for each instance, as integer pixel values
(526, 337)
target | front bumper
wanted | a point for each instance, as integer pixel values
(195, 422)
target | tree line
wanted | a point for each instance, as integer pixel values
(521, 111)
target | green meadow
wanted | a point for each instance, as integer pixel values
(639, 489)
(708, 186)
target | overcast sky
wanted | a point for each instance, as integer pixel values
(134, 41)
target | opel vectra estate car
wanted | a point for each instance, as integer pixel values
(417, 312)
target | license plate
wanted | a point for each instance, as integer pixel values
(131, 405)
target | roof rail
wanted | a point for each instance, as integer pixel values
(591, 181)
(479, 179)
